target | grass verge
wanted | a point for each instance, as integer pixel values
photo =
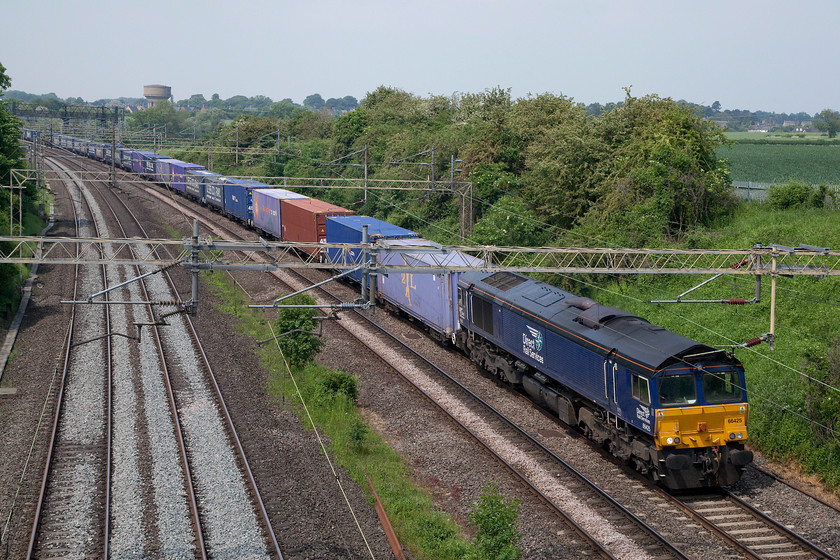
(423, 530)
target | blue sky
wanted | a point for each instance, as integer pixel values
(758, 55)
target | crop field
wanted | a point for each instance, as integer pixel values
(774, 163)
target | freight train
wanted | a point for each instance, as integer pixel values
(673, 408)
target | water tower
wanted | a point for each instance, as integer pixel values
(156, 92)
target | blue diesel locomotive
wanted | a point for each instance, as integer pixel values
(674, 408)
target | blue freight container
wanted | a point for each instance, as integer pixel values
(146, 164)
(238, 197)
(348, 229)
(108, 151)
(266, 209)
(431, 298)
(162, 170)
(177, 173)
(195, 182)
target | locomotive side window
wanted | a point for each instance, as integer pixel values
(482, 311)
(677, 389)
(721, 387)
(641, 389)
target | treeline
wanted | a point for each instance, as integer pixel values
(52, 101)
(541, 167)
(12, 156)
(262, 105)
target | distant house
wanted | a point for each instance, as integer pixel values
(797, 126)
(758, 128)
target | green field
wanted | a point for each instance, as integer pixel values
(774, 163)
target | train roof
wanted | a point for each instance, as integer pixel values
(605, 330)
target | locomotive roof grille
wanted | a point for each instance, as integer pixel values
(504, 281)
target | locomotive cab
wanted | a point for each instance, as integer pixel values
(701, 417)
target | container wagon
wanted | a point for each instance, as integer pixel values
(267, 209)
(305, 220)
(430, 298)
(195, 182)
(348, 229)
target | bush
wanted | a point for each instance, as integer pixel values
(798, 194)
(295, 326)
(336, 384)
(495, 519)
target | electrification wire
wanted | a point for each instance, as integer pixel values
(321, 441)
(29, 455)
(723, 337)
(640, 301)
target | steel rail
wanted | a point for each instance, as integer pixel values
(574, 525)
(790, 534)
(240, 451)
(59, 407)
(669, 547)
(179, 435)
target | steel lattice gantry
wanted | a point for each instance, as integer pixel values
(215, 254)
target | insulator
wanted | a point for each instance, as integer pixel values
(736, 301)
(740, 264)
(752, 342)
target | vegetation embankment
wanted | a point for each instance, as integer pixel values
(647, 173)
(12, 156)
(330, 398)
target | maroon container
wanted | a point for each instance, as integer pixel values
(304, 220)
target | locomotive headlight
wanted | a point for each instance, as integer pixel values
(739, 435)
(670, 441)
(676, 440)
(731, 436)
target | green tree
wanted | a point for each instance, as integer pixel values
(196, 100)
(660, 174)
(560, 155)
(828, 121)
(495, 519)
(509, 222)
(10, 151)
(10, 156)
(284, 109)
(296, 328)
(314, 102)
(162, 113)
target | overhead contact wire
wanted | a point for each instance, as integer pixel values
(321, 442)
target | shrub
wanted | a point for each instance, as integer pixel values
(333, 384)
(495, 519)
(295, 327)
(798, 194)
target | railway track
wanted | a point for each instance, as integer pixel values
(602, 513)
(210, 529)
(73, 501)
(219, 400)
(751, 531)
